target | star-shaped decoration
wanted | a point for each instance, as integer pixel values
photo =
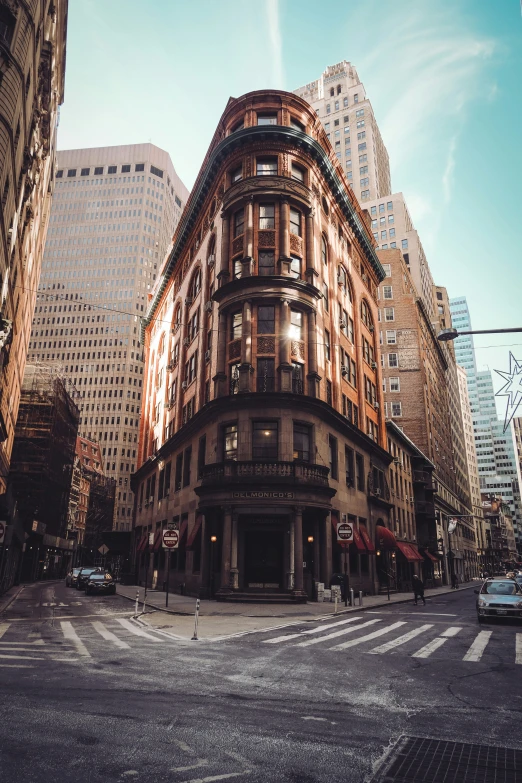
(512, 389)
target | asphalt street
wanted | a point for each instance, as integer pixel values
(89, 695)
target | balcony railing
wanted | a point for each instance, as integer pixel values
(280, 472)
(422, 477)
(378, 488)
(422, 507)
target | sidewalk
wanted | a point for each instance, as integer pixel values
(9, 596)
(220, 619)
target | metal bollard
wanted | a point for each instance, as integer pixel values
(360, 598)
(351, 597)
(137, 601)
(196, 616)
(336, 596)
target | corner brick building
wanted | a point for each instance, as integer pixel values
(262, 424)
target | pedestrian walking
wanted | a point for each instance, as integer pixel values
(455, 581)
(418, 589)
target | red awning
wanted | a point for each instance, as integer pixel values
(141, 543)
(409, 551)
(430, 556)
(158, 540)
(384, 538)
(358, 541)
(366, 538)
(194, 531)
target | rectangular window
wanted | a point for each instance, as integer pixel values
(381, 208)
(359, 113)
(383, 234)
(186, 466)
(266, 319)
(364, 182)
(112, 170)
(202, 449)
(396, 409)
(359, 472)
(266, 216)
(265, 440)
(157, 172)
(391, 337)
(295, 222)
(125, 169)
(389, 314)
(365, 194)
(71, 172)
(267, 119)
(363, 170)
(295, 267)
(395, 384)
(387, 292)
(266, 167)
(332, 448)
(326, 297)
(230, 442)
(390, 205)
(179, 472)
(296, 325)
(266, 375)
(349, 464)
(237, 174)
(239, 222)
(393, 360)
(302, 441)
(387, 269)
(298, 173)
(137, 167)
(404, 244)
(350, 330)
(236, 326)
(266, 262)
(85, 172)
(327, 344)
(373, 210)
(391, 219)
(392, 232)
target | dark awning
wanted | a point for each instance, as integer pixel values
(366, 538)
(409, 551)
(430, 556)
(141, 543)
(358, 541)
(384, 538)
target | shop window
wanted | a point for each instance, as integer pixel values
(302, 441)
(264, 440)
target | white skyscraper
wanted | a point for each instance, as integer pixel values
(114, 213)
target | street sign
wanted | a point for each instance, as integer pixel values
(170, 539)
(103, 549)
(151, 539)
(3, 527)
(344, 532)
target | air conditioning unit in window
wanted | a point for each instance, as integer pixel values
(188, 301)
(184, 385)
(371, 328)
(376, 406)
(373, 365)
(342, 324)
(186, 341)
(170, 404)
(170, 366)
(365, 277)
(396, 461)
(211, 260)
(208, 306)
(344, 370)
(207, 356)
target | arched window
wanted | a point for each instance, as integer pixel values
(324, 249)
(195, 288)
(211, 250)
(342, 278)
(161, 346)
(366, 316)
(177, 318)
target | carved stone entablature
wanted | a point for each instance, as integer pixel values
(296, 244)
(266, 344)
(237, 245)
(297, 350)
(266, 239)
(267, 185)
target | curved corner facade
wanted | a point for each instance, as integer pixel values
(262, 424)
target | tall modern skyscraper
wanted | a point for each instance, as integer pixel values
(113, 217)
(496, 454)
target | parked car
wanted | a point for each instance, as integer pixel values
(72, 577)
(84, 575)
(100, 582)
(499, 597)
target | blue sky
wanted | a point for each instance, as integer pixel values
(444, 78)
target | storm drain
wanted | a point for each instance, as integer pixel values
(416, 759)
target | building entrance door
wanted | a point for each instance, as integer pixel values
(264, 550)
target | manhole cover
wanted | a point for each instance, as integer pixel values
(416, 759)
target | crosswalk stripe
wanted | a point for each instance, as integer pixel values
(109, 636)
(70, 634)
(23, 657)
(137, 631)
(319, 629)
(3, 628)
(384, 648)
(430, 648)
(476, 650)
(334, 635)
(40, 642)
(518, 648)
(361, 639)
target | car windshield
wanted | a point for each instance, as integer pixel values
(500, 588)
(76, 571)
(97, 577)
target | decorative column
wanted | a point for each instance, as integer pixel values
(223, 273)
(220, 377)
(317, 569)
(247, 260)
(311, 264)
(285, 344)
(284, 237)
(245, 368)
(326, 551)
(313, 376)
(291, 556)
(226, 550)
(234, 572)
(298, 552)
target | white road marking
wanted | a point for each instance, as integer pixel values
(218, 777)
(279, 639)
(15, 666)
(110, 637)
(361, 639)
(476, 650)
(384, 648)
(23, 657)
(430, 648)
(23, 648)
(137, 631)
(3, 628)
(518, 648)
(334, 635)
(429, 614)
(312, 717)
(40, 642)
(70, 634)
(183, 746)
(75, 616)
(199, 763)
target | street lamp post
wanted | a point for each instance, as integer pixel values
(447, 335)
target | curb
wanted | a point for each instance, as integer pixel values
(155, 608)
(11, 599)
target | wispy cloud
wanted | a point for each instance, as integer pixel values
(447, 177)
(274, 31)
